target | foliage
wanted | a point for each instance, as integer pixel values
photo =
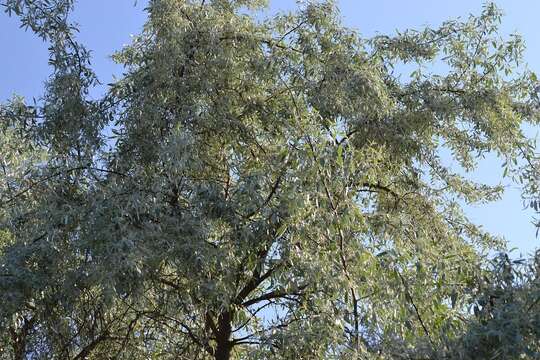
(255, 188)
(507, 315)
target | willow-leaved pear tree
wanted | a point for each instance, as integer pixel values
(254, 188)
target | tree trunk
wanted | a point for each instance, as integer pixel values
(224, 345)
(18, 339)
(223, 351)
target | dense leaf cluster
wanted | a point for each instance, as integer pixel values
(264, 189)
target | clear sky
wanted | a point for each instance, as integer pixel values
(106, 25)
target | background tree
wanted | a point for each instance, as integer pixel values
(507, 318)
(254, 188)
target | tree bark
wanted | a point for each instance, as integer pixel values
(18, 339)
(224, 344)
(223, 351)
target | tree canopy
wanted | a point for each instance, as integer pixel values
(264, 188)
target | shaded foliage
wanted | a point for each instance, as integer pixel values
(260, 188)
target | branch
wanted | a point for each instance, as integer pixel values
(378, 186)
(270, 195)
(49, 177)
(252, 284)
(410, 299)
(276, 294)
(90, 347)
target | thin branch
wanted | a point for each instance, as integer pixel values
(52, 176)
(270, 195)
(417, 312)
(276, 294)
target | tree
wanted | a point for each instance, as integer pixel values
(254, 188)
(507, 321)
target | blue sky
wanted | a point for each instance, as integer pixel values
(106, 25)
